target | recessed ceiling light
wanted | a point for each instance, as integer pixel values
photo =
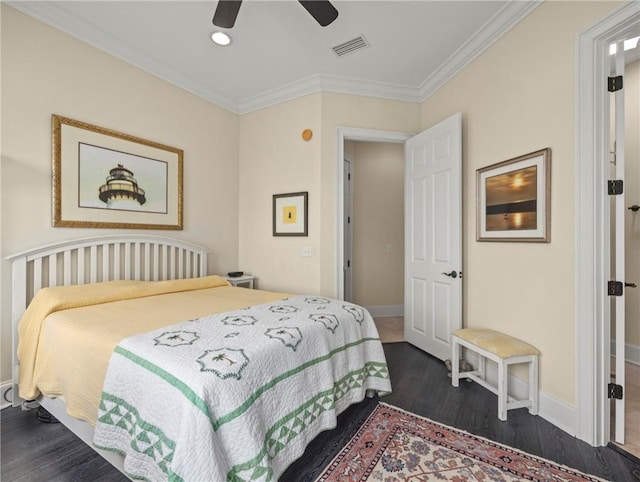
(220, 38)
(629, 44)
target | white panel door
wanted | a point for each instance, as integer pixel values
(433, 237)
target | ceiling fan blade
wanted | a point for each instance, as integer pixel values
(321, 10)
(226, 13)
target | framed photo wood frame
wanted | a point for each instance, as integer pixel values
(514, 199)
(291, 214)
(106, 179)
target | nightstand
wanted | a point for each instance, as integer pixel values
(245, 281)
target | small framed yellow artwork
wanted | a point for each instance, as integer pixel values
(290, 214)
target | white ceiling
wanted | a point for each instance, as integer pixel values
(279, 51)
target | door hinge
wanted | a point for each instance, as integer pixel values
(349, 177)
(615, 187)
(614, 84)
(348, 219)
(614, 288)
(614, 391)
(348, 263)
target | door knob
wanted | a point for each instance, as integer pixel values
(453, 274)
(634, 208)
(630, 285)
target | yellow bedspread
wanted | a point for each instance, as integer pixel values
(67, 334)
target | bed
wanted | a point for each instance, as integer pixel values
(173, 374)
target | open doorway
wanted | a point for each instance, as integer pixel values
(370, 137)
(625, 241)
(593, 317)
(374, 232)
(431, 158)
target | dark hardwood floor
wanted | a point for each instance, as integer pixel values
(33, 451)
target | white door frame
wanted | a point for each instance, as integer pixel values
(348, 232)
(353, 134)
(593, 321)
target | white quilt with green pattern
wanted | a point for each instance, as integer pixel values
(237, 396)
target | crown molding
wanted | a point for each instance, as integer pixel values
(328, 83)
(61, 19)
(492, 30)
(58, 17)
(508, 16)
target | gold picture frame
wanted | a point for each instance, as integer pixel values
(514, 199)
(106, 179)
(291, 214)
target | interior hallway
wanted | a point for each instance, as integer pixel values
(632, 409)
(390, 328)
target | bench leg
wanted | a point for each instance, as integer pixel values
(503, 396)
(482, 366)
(455, 362)
(533, 385)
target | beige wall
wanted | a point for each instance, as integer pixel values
(378, 223)
(274, 159)
(519, 96)
(45, 71)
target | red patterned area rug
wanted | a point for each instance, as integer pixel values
(393, 445)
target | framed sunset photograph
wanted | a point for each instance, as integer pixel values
(514, 199)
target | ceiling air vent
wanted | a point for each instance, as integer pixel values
(350, 46)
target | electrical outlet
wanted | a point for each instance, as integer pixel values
(306, 251)
(389, 249)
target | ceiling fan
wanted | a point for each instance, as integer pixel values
(227, 11)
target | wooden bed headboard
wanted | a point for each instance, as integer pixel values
(91, 260)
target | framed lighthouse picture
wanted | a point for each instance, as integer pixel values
(106, 179)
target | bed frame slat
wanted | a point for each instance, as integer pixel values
(156, 256)
(53, 270)
(66, 278)
(116, 261)
(136, 263)
(164, 257)
(152, 258)
(147, 260)
(37, 274)
(127, 261)
(93, 271)
(105, 263)
(81, 258)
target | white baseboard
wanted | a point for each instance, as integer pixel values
(631, 352)
(558, 413)
(551, 409)
(382, 311)
(4, 386)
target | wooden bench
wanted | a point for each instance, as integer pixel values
(504, 350)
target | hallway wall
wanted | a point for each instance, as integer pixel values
(378, 223)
